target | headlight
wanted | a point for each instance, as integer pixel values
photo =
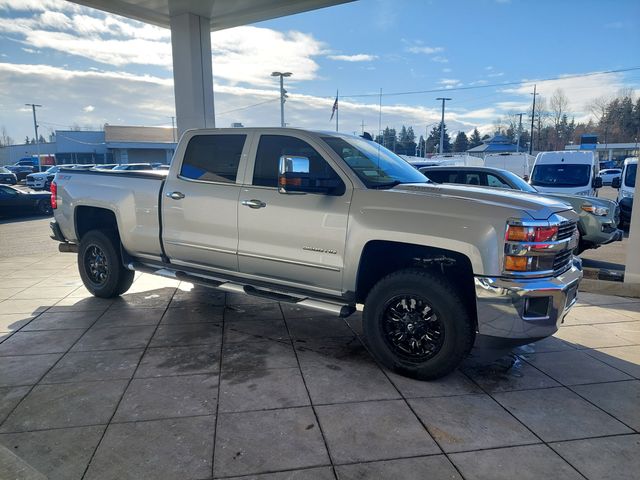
(626, 194)
(595, 210)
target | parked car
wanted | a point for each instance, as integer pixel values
(162, 167)
(598, 216)
(572, 172)
(609, 174)
(42, 180)
(14, 201)
(327, 220)
(20, 171)
(7, 176)
(134, 166)
(626, 185)
(105, 166)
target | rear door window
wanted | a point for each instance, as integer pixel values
(213, 158)
(493, 181)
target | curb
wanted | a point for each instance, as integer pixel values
(606, 287)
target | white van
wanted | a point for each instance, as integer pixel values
(570, 172)
(518, 163)
(626, 185)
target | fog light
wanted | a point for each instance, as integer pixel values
(536, 307)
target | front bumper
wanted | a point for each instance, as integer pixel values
(509, 310)
(36, 182)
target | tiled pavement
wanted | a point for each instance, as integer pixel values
(175, 382)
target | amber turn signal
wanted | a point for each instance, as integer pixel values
(515, 264)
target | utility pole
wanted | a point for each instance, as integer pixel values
(424, 145)
(35, 127)
(533, 116)
(519, 132)
(173, 128)
(362, 125)
(283, 93)
(442, 125)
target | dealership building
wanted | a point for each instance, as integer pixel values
(114, 144)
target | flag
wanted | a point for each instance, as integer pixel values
(334, 109)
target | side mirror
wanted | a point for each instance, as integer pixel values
(294, 176)
(597, 182)
(616, 182)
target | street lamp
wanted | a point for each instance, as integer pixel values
(282, 93)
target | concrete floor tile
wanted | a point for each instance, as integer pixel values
(556, 414)
(318, 326)
(626, 359)
(268, 441)
(590, 336)
(317, 473)
(470, 422)
(530, 462)
(32, 343)
(347, 382)
(9, 398)
(327, 350)
(198, 314)
(198, 297)
(160, 362)
(243, 390)
(259, 311)
(611, 458)
(520, 376)
(599, 299)
(629, 331)
(157, 298)
(435, 467)
(575, 367)
(549, 344)
(252, 331)
(29, 307)
(130, 317)
(10, 322)
(241, 299)
(25, 369)
(173, 335)
(89, 304)
(95, 365)
(177, 449)
(166, 397)
(43, 292)
(455, 383)
(620, 399)
(65, 405)
(591, 315)
(112, 338)
(258, 355)
(361, 432)
(62, 321)
(60, 454)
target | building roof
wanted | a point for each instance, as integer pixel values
(223, 13)
(497, 143)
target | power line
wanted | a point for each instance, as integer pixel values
(493, 85)
(248, 106)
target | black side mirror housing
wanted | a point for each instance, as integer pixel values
(597, 182)
(616, 182)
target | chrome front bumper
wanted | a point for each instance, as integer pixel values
(504, 306)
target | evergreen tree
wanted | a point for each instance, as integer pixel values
(26, 140)
(475, 139)
(461, 143)
(433, 140)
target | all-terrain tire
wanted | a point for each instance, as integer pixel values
(454, 331)
(100, 265)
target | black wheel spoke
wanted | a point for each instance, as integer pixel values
(96, 264)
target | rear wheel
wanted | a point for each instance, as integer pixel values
(416, 324)
(100, 265)
(44, 207)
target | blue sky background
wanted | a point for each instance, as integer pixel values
(89, 68)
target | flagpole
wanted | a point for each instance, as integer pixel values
(337, 110)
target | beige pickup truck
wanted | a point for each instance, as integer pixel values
(330, 221)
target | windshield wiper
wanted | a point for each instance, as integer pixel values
(382, 186)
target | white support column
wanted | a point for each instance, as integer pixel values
(192, 73)
(632, 269)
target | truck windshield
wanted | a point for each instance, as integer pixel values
(561, 175)
(376, 166)
(630, 175)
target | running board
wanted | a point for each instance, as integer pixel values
(337, 308)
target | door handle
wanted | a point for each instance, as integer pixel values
(175, 195)
(254, 203)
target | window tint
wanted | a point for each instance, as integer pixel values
(272, 147)
(472, 179)
(441, 176)
(214, 158)
(494, 181)
(7, 192)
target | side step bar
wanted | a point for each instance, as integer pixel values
(339, 309)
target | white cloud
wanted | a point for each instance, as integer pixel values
(360, 57)
(450, 82)
(446, 70)
(424, 49)
(89, 108)
(495, 75)
(440, 59)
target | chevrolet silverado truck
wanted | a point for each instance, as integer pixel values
(331, 221)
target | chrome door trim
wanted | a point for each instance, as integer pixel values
(293, 262)
(201, 247)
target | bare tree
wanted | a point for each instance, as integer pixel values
(5, 139)
(598, 107)
(559, 106)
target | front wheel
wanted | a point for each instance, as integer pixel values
(100, 265)
(416, 324)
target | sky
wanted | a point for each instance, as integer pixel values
(87, 68)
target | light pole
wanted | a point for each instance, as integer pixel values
(533, 116)
(282, 93)
(442, 125)
(519, 131)
(35, 127)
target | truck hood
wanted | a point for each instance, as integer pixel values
(536, 206)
